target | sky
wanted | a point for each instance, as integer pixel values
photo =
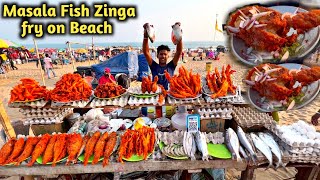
(197, 20)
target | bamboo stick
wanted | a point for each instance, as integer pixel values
(39, 62)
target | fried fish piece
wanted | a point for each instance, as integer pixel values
(6, 150)
(90, 146)
(99, 148)
(73, 147)
(28, 149)
(48, 153)
(17, 150)
(39, 148)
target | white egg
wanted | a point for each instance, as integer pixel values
(317, 135)
(311, 135)
(303, 130)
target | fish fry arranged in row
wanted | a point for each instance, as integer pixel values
(108, 90)
(53, 148)
(28, 90)
(137, 142)
(220, 83)
(184, 85)
(148, 86)
(71, 87)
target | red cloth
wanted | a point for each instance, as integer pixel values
(104, 79)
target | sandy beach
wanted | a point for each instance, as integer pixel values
(30, 70)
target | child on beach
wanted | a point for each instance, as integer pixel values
(48, 65)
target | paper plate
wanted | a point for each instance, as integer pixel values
(81, 158)
(309, 43)
(39, 160)
(162, 145)
(135, 158)
(219, 151)
(313, 90)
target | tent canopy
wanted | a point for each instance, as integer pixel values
(126, 63)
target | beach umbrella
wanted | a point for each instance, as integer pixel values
(61, 50)
(6, 44)
(31, 50)
(81, 50)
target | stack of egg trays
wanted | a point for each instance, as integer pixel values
(34, 104)
(215, 111)
(119, 101)
(301, 153)
(138, 101)
(75, 104)
(195, 101)
(249, 117)
(42, 118)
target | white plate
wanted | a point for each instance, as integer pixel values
(313, 88)
(312, 37)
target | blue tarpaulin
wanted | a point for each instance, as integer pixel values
(143, 67)
(126, 63)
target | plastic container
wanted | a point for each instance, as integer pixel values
(151, 112)
(179, 120)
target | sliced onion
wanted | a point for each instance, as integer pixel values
(233, 29)
(246, 23)
(260, 25)
(241, 25)
(250, 25)
(243, 14)
(256, 22)
(253, 11)
(242, 18)
(291, 105)
(272, 70)
(256, 16)
(285, 56)
(251, 83)
(296, 84)
(291, 32)
(256, 9)
(271, 79)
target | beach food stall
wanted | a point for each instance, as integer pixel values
(75, 132)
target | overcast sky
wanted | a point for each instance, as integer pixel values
(197, 19)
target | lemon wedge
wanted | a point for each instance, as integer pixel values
(139, 123)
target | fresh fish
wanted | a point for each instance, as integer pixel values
(176, 34)
(246, 144)
(151, 32)
(263, 147)
(243, 153)
(189, 145)
(233, 144)
(202, 145)
(268, 139)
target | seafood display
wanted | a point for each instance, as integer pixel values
(246, 144)
(233, 144)
(184, 85)
(109, 148)
(219, 84)
(148, 86)
(280, 87)
(108, 90)
(269, 32)
(89, 149)
(74, 143)
(6, 150)
(189, 145)
(263, 147)
(139, 142)
(150, 32)
(71, 87)
(28, 90)
(200, 138)
(39, 148)
(176, 34)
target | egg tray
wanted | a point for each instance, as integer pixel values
(299, 150)
(34, 104)
(26, 111)
(215, 138)
(137, 90)
(75, 104)
(230, 98)
(215, 111)
(249, 117)
(295, 145)
(137, 101)
(38, 114)
(47, 120)
(119, 101)
(195, 101)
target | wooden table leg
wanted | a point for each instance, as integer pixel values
(185, 175)
(307, 173)
(248, 173)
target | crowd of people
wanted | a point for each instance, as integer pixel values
(11, 56)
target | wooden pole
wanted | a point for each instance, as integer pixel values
(87, 48)
(39, 62)
(215, 31)
(93, 52)
(70, 55)
(5, 122)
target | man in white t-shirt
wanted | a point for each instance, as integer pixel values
(48, 65)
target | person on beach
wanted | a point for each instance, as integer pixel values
(107, 77)
(157, 69)
(48, 65)
(41, 62)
